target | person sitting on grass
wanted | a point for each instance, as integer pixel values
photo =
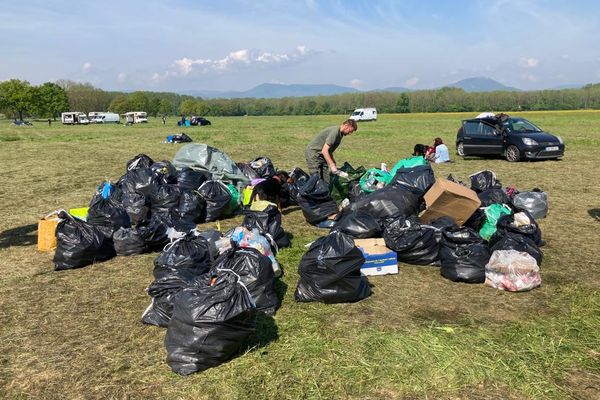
(442, 154)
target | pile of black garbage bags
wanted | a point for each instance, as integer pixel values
(135, 215)
(506, 219)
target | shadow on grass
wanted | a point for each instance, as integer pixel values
(21, 236)
(594, 213)
(291, 209)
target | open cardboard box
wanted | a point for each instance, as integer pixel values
(449, 199)
(379, 259)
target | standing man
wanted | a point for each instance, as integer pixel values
(49, 122)
(319, 152)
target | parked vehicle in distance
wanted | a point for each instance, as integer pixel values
(199, 121)
(511, 137)
(74, 118)
(364, 114)
(106, 118)
(136, 117)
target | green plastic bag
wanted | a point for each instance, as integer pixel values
(492, 215)
(234, 203)
(408, 163)
(339, 186)
(370, 179)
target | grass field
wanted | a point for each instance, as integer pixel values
(77, 334)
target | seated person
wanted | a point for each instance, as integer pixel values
(425, 151)
(442, 154)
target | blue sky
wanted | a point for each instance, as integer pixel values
(236, 45)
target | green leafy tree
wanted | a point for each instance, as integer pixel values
(165, 107)
(50, 100)
(16, 97)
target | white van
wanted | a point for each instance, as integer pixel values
(74, 117)
(364, 114)
(106, 118)
(136, 117)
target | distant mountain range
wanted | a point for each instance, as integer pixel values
(277, 90)
(482, 84)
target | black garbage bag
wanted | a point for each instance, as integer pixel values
(107, 215)
(418, 179)
(217, 198)
(192, 206)
(212, 319)
(174, 220)
(476, 220)
(154, 232)
(535, 202)
(165, 171)
(140, 180)
(164, 199)
(506, 224)
(463, 255)
(518, 242)
(139, 161)
(484, 180)
(263, 167)
(315, 201)
(268, 222)
(129, 241)
(191, 251)
(355, 191)
(494, 196)
(212, 236)
(79, 244)
(256, 273)
(340, 186)
(189, 179)
(248, 171)
(299, 176)
(330, 271)
(357, 224)
(163, 291)
(413, 242)
(389, 202)
(136, 206)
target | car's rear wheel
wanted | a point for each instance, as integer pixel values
(513, 154)
(460, 149)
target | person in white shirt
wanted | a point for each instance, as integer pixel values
(442, 154)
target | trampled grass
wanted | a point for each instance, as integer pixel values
(77, 334)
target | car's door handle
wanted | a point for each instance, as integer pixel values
(467, 137)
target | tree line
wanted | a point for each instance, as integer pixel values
(19, 99)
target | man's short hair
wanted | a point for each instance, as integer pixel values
(351, 123)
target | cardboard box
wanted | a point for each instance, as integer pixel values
(449, 199)
(47, 233)
(379, 259)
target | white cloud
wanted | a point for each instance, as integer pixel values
(121, 77)
(243, 57)
(411, 81)
(356, 83)
(528, 62)
(87, 67)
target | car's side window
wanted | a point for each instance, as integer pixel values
(486, 130)
(471, 128)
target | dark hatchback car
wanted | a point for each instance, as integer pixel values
(199, 121)
(514, 138)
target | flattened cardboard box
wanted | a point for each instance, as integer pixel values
(449, 199)
(379, 259)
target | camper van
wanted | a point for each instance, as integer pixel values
(364, 114)
(74, 117)
(136, 117)
(106, 118)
